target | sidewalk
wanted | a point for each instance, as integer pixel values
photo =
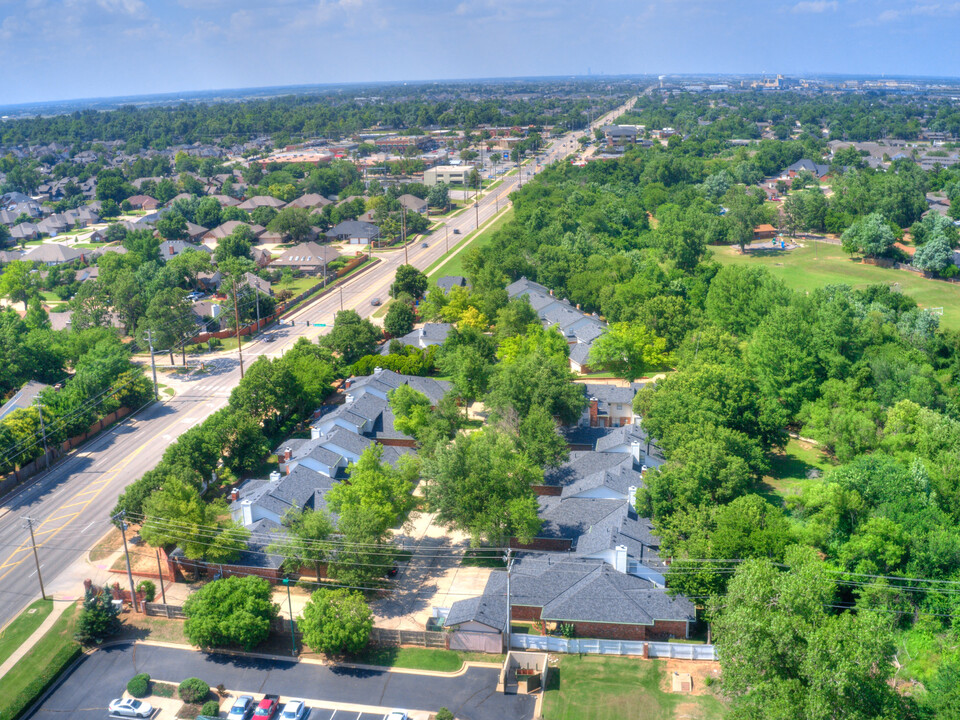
(58, 607)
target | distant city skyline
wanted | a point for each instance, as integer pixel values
(68, 49)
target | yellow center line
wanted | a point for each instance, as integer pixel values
(110, 475)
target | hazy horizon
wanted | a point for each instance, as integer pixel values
(61, 50)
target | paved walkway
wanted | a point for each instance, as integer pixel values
(25, 647)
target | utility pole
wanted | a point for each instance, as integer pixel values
(509, 565)
(236, 315)
(43, 434)
(36, 558)
(403, 233)
(293, 637)
(153, 365)
(256, 292)
(476, 201)
(163, 593)
(126, 552)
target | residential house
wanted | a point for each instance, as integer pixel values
(422, 337)
(609, 405)
(25, 397)
(598, 599)
(143, 202)
(228, 228)
(257, 283)
(354, 232)
(448, 282)
(54, 254)
(24, 231)
(413, 204)
(578, 328)
(309, 257)
(172, 248)
(818, 170)
(195, 232)
(261, 201)
(310, 201)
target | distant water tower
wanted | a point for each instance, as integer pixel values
(662, 77)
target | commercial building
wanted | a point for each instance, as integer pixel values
(449, 174)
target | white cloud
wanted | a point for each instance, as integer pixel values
(814, 6)
(915, 10)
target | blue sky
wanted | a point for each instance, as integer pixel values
(59, 49)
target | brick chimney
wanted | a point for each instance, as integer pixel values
(594, 411)
(234, 494)
(287, 452)
(170, 250)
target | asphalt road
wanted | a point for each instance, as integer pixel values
(70, 504)
(84, 694)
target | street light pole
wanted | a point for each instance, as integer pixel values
(123, 533)
(153, 364)
(43, 434)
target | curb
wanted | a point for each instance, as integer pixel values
(373, 262)
(311, 661)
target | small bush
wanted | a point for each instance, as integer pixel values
(709, 680)
(139, 685)
(193, 690)
(211, 708)
(443, 714)
(148, 589)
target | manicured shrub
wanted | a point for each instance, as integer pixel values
(193, 690)
(443, 714)
(148, 589)
(139, 685)
(211, 708)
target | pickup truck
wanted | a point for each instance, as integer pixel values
(267, 708)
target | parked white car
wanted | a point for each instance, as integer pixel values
(130, 708)
(242, 708)
(295, 710)
(397, 715)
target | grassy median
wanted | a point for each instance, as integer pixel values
(37, 670)
(23, 627)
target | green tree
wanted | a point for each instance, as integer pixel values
(336, 622)
(409, 280)
(235, 245)
(18, 282)
(783, 356)
(536, 380)
(744, 213)
(480, 484)
(870, 236)
(785, 654)
(935, 256)
(740, 296)
(352, 337)
(628, 350)
(376, 489)
(233, 611)
(170, 319)
(539, 438)
(172, 226)
(304, 540)
(99, 618)
(845, 419)
(292, 221)
(400, 319)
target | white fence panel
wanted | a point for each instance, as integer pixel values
(596, 646)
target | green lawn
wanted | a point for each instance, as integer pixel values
(297, 285)
(39, 667)
(813, 266)
(23, 627)
(483, 557)
(421, 658)
(607, 688)
(789, 469)
(455, 265)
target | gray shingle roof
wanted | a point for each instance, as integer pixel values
(572, 590)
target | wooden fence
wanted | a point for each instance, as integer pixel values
(421, 638)
(161, 610)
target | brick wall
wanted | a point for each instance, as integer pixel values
(554, 490)
(524, 612)
(666, 629)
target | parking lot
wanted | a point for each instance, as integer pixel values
(101, 677)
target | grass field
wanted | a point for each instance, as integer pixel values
(37, 669)
(23, 626)
(607, 688)
(789, 469)
(455, 265)
(810, 267)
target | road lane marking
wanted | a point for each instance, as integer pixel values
(111, 474)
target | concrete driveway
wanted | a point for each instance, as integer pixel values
(471, 695)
